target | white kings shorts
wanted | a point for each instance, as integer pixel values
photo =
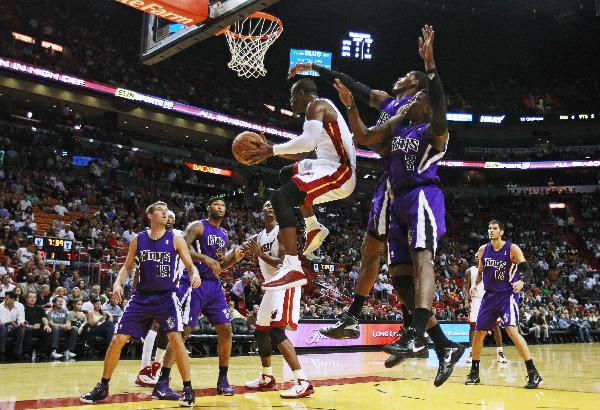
(323, 180)
(279, 308)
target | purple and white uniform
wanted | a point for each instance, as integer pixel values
(377, 224)
(209, 297)
(499, 273)
(155, 297)
(417, 212)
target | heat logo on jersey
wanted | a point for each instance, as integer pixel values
(266, 248)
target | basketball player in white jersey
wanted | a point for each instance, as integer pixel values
(329, 177)
(473, 306)
(148, 375)
(279, 309)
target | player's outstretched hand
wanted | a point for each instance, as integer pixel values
(346, 96)
(118, 292)
(258, 155)
(517, 286)
(426, 43)
(299, 68)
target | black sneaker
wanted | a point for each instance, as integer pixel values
(473, 378)
(346, 328)
(451, 356)
(533, 380)
(409, 345)
(188, 398)
(100, 392)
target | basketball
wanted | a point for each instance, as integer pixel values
(243, 143)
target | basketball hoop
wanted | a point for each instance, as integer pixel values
(248, 40)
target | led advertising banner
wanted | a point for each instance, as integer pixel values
(209, 169)
(322, 58)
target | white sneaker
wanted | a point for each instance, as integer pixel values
(55, 356)
(69, 355)
(314, 238)
(501, 358)
(289, 275)
(302, 388)
(264, 382)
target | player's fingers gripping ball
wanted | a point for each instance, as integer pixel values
(244, 144)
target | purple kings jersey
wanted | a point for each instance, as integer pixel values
(213, 240)
(156, 261)
(498, 271)
(390, 107)
(412, 161)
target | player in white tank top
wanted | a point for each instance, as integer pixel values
(470, 279)
(278, 311)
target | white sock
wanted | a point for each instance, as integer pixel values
(311, 223)
(147, 350)
(299, 375)
(160, 353)
(268, 371)
(499, 349)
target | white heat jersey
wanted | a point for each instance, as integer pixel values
(179, 267)
(473, 271)
(269, 245)
(335, 142)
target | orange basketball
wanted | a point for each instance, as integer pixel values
(243, 143)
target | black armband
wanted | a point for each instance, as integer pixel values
(525, 271)
(437, 98)
(360, 91)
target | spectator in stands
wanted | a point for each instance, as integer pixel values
(41, 270)
(83, 290)
(538, 327)
(77, 317)
(5, 267)
(45, 296)
(5, 285)
(95, 294)
(60, 209)
(25, 253)
(66, 232)
(58, 317)
(233, 312)
(237, 291)
(128, 235)
(56, 280)
(311, 313)
(105, 297)
(72, 281)
(62, 293)
(112, 308)
(29, 285)
(36, 326)
(12, 318)
(74, 295)
(100, 324)
(251, 318)
(252, 292)
(20, 295)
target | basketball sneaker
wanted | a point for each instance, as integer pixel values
(393, 360)
(223, 387)
(148, 376)
(451, 356)
(264, 382)
(289, 275)
(99, 392)
(501, 358)
(314, 238)
(472, 378)
(533, 380)
(188, 399)
(162, 391)
(409, 345)
(302, 388)
(346, 328)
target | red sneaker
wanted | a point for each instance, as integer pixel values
(289, 276)
(264, 382)
(314, 239)
(144, 377)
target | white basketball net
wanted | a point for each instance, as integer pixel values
(248, 41)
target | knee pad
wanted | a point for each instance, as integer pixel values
(284, 200)
(277, 335)
(161, 340)
(263, 341)
(405, 287)
(285, 174)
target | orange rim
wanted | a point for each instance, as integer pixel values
(257, 15)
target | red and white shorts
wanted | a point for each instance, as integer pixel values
(323, 180)
(279, 308)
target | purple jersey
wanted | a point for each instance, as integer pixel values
(156, 261)
(213, 239)
(412, 161)
(498, 271)
(390, 107)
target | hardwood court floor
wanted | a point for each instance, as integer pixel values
(342, 380)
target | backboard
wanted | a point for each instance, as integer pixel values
(162, 38)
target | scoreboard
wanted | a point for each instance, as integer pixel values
(55, 249)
